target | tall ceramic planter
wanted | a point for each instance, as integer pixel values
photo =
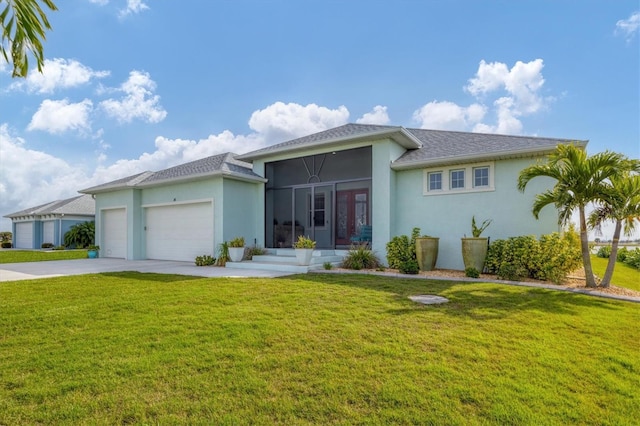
(303, 256)
(427, 252)
(474, 252)
(236, 254)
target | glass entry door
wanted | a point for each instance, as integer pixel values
(352, 211)
(312, 210)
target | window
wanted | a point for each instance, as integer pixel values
(435, 181)
(480, 177)
(475, 177)
(457, 179)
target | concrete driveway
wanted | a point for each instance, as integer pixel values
(59, 268)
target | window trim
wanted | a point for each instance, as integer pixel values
(469, 179)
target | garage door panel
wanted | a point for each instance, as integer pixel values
(114, 234)
(179, 232)
(24, 235)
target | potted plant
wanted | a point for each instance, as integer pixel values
(92, 251)
(427, 252)
(304, 250)
(236, 249)
(474, 249)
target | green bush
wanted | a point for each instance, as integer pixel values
(223, 254)
(604, 252)
(237, 242)
(255, 251)
(409, 267)
(622, 254)
(327, 265)
(59, 248)
(472, 272)
(551, 258)
(205, 260)
(360, 257)
(5, 244)
(630, 257)
(46, 245)
(401, 249)
(80, 235)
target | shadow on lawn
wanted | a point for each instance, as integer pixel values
(482, 301)
(150, 276)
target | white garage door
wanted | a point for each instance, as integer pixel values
(114, 233)
(47, 232)
(24, 235)
(179, 232)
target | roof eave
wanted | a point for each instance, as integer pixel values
(442, 161)
(404, 138)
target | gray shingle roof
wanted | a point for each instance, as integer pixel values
(221, 164)
(347, 132)
(82, 205)
(439, 146)
(423, 146)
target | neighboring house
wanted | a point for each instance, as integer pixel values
(49, 222)
(326, 186)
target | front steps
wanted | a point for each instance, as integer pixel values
(284, 260)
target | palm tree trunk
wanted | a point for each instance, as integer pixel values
(606, 280)
(584, 245)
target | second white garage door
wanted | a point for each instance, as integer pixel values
(179, 232)
(24, 235)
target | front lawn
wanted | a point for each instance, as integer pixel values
(316, 349)
(17, 256)
(623, 274)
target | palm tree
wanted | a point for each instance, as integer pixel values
(623, 208)
(580, 180)
(23, 30)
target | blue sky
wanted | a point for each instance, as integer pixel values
(142, 85)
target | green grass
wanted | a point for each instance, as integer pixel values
(623, 275)
(17, 256)
(317, 349)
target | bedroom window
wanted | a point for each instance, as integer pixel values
(435, 181)
(480, 177)
(457, 179)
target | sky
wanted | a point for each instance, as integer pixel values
(136, 85)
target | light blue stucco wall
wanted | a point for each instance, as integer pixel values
(243, 212)
(448, 216)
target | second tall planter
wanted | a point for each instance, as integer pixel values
(427, 252)
(474, 252)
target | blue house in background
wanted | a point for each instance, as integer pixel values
(49, 222)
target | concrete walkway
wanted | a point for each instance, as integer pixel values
(59, 268)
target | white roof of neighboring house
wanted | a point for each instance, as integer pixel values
(82, 205)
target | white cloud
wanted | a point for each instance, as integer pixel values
(515, 93)
(138, 101)
(61, 116)
(448, 116)
(99, 2)
(133, 6)
(57, 74)
(377, 116)
(628, 27)
(280, 121)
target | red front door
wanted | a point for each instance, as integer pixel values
(352, 211)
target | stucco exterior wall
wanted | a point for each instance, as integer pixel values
(243, 212)
(448, 216)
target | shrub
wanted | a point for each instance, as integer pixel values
(46, 245)
(327, 265)
(223, 254)
(409, 267)
(205, 260)
(552, 257)
(604, 251)
(255, 251)
(6, 244)
(80, 235)
(472, 272)
(632, 258)
(237, 242)
(360, 257)
(59, 248)
(622, 254)
(401, 249)
(304, 243)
